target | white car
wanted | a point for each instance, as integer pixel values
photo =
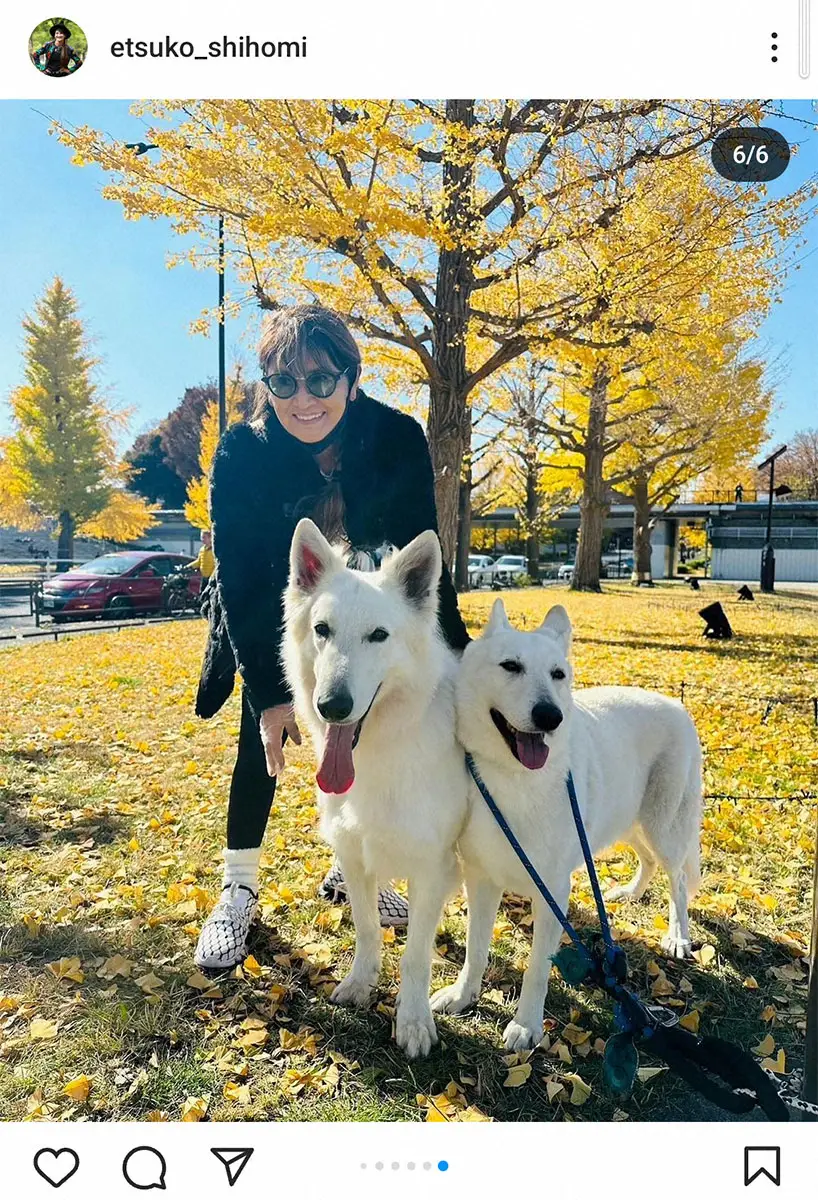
(566, 571)
(481, 570)
(508, 567)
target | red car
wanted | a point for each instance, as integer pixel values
(115, 585)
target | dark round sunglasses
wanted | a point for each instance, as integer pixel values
(320, 384)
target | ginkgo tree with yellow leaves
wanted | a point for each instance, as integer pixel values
(197, 508)
(452, 235)
(700, 268)
(60, 462)
(714, 417)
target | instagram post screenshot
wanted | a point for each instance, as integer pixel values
(408, 599)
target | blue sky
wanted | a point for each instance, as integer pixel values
(54, 220)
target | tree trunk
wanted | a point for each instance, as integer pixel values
(461, 569)
(593, 506)
(449, 427)
(641, 533)
(532, 508)
(65, 541)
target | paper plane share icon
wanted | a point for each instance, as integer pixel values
(233, 1159)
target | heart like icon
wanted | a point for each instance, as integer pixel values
(56, 1165)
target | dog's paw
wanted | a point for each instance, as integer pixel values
(522, 1037)
(353, 992)
(677, 947)
(625, 892)
(415, 1031)
(453, 999)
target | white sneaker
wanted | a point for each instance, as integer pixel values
(393, 909)
(223, 941)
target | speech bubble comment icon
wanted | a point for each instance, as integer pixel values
(144, 1168)
(762, 1161)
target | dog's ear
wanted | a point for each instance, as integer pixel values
(498, 621)
(416, 569)
(311, 557)
(557, 624)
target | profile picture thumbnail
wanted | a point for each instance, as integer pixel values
(58, 46)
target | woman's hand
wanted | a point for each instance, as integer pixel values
(272, 726)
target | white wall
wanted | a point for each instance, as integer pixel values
(793, 566)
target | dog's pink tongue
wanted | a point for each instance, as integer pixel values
(336, 772)
(531, 750)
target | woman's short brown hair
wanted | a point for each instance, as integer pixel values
(292, 335)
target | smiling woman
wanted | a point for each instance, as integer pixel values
(316, 446)
(57, 48)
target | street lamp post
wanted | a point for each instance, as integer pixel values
(768, 554)
(139, 149)
(222, 383)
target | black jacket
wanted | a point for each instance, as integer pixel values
(260, 480)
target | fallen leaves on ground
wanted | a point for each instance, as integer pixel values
(112, 806)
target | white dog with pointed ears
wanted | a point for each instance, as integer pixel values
(374, 682)
(636, 763)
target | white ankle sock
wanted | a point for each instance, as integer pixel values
(241, 866)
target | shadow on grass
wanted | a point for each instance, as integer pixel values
(17, 829)
(471, 1045)
(732, 649)
(88, 752)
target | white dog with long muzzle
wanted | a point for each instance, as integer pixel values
(374, 682)
(636, 762)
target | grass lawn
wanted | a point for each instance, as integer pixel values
(112, 814)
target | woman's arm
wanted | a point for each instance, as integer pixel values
(412, 510)
(250, 584)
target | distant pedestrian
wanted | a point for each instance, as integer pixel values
(739, 493)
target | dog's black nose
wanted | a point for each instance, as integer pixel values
(546, 716)
(336, 707)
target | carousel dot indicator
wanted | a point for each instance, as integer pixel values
(443, 1165)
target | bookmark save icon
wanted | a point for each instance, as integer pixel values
(233, 1159)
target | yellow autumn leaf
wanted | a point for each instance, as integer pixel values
(199, 981)
(34, 924)
(777, 1064)
(705, 955)
(470, 1113)
(78, 1089)
(195, 1108)
(42, 1029)
(580, 1090)
(239, 1092)
(150, 983)
(691, 1020)
(765, 1046)
(251, 967)
(116, 966)
(66, 968)
(517, 1076)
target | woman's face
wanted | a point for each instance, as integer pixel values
(305, 416)
(59, 38)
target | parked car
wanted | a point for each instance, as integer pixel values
(481, 570)
(566, 571)
(618, 566)
(114, 585)
(508, 567)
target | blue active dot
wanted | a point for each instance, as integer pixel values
(443, 1165)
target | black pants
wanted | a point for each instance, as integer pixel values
(251, 788)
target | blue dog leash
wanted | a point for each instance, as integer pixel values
(695, 1059)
